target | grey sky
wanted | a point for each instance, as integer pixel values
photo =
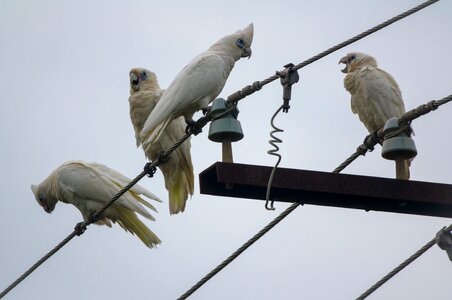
(63, 95)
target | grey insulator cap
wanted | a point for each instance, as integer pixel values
(227, 127)
(397, 147)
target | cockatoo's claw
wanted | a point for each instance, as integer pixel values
(187, 129)
(206, 110)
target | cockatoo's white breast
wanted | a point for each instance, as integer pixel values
(376, 96)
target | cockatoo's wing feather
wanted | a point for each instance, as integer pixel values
(192, 89)
(123, 181)
(182, 182)
(377, 97)
(89, 186)
(159, 130)
(129, 221)
(79, 180)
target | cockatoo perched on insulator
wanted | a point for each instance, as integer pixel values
(88, 186)
(198, 84)
(376, 97)
(145, 93)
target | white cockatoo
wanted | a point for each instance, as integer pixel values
(376, 97)
(198, 83)
(145, 93)
(88, 186)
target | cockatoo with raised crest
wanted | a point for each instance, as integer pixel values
(199, 83)
(145, 93)
(376, 97)
(88, 186)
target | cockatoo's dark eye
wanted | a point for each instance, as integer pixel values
(240, 43)
(353, 57)
(143, 76)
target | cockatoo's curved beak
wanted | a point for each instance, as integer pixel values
(344, 60)
(134, 81)
(247, 52)
(46, 209)
(44, 206)
(133, 78)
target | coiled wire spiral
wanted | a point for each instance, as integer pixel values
(274, 141)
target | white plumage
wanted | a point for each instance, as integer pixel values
(199, 83)
(376, 96)
(88, 186)
(145, 93)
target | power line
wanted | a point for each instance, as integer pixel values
(400, 267)
(368, 145)
(250, 89)
(79, 230)
(150, 168)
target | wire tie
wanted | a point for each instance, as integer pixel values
(444, 241)
(371, 140)
(80, 228)
(150, 169)
(256, 86)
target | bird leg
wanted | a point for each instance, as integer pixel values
(206, 110)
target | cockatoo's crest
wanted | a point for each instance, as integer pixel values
(34, 189)
(238, 43)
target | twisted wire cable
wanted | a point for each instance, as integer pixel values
(368, 145)
(232, 99)
(400, 267)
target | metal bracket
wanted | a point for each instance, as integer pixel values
(288, 77)
(149, 169)
(444, 241)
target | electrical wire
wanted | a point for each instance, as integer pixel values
(400, 267)
(232, 99)
(275, 140)
(368, 145)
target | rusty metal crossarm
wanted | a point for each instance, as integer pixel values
(328, 189)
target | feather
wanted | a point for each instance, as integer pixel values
(198, 83)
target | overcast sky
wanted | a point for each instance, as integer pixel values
(64, 91)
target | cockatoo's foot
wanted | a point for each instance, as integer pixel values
(192, 128)
(206, 110)
(163, 158)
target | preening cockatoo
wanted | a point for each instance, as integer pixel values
(199, 83)
(376, 97)
(145, 93)
(88, 186)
